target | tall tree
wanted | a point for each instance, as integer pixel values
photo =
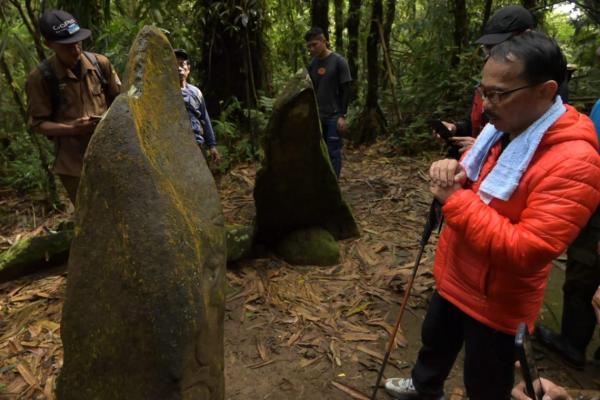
(339, 25)
(353, 25)
(234, 51)
(487, 12)
(319, 15)
(461, 28)
(371, 121)
(591, 8)
(390, 15)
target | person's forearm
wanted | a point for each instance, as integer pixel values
(209, 133)
(50, 128)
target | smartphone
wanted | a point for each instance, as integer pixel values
(527, 360)
(439, 128)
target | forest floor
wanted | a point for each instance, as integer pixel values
(290, 332)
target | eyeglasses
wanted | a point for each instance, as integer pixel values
(496, 96)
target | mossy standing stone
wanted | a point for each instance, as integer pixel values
(143, 317)
(296, 187)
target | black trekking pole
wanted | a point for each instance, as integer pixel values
(433, 221)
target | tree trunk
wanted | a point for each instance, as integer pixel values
(233, 60)
(319, 15)
(390, 14)
(487, 11)
(461, 29)
(373, 55)
(353, 25)
(592, 9)
(371, 120)
(339, 25)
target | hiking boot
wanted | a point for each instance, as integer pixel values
(557, 343)
(403, 389)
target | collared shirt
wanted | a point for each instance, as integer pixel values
(196, 108)
(79, 97)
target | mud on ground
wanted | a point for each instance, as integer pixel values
(290, 332)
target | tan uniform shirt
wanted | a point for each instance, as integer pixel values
(78, 98)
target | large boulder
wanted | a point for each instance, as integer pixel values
(143, 317)
(296, 187)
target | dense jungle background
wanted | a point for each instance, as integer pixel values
(411, 60)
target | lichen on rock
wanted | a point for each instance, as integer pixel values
(143, 317)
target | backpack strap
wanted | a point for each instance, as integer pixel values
(94, 60)
(52, 82)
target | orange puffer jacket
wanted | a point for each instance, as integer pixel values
(493, 261)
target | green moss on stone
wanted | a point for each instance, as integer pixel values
(313, 246)
(30, 255)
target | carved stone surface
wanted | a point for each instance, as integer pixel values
(296, 187)
(143, 317)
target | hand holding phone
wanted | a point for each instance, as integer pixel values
(527, 361)
(440, 128)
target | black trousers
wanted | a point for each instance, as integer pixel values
(489, 354)
(578, 318)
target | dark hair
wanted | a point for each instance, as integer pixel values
(541, 57)
(314, 33)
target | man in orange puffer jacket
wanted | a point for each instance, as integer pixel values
(515, 202)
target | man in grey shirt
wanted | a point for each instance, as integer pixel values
(331, 79)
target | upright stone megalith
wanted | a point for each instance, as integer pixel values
(296, 187)
(143, 317)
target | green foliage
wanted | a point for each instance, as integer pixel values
(20, 167)
(237, 130)
(429, 85)
(422, 51)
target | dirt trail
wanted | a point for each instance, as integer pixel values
(290, 332)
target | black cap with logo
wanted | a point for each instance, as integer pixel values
(61, 27)
(504, 23)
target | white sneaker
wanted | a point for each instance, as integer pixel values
(403, 389)
(399, 386)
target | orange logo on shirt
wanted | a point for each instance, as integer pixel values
(321, 71)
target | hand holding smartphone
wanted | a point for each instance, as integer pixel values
(441, 129)
(527, 361)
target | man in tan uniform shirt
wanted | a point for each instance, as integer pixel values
(67, 106)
